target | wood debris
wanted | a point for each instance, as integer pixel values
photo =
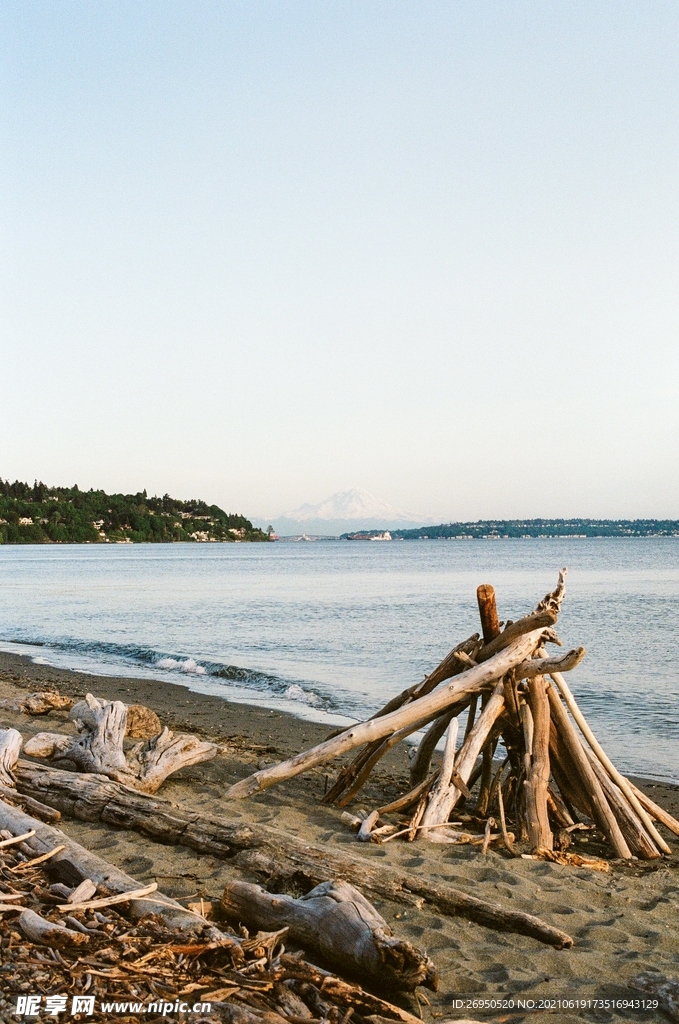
(115, 958)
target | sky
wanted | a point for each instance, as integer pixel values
(258, 252)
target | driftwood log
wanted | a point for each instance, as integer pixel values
(337, 922)
(261, 849)
(443, 799)
(98, 747)
(73, 864)
(613, 773)
(10, 748)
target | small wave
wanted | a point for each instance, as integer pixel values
(189, 665)
(296, 692)
(101, 656)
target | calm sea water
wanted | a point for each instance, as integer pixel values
(331, 630)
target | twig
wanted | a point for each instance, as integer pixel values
(109, 901)
(17, 839)
(419, 828)
(38, 860)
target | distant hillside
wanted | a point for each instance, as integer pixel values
(493, 529)
(66, 515)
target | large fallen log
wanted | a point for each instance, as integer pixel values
(94, 798)
(336, 921)
(73, 864)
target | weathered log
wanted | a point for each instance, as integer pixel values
(419, 766)
(26, 803)
(341, 992)
(93, 798)
(601, 811)
(613, 772)
(10, 748)
(490, 623)
(74, 863)
(439, 810)
(537, 782)
(638, 839)
(336, 921)
(37, 929)
(98, 748)
(471, 681)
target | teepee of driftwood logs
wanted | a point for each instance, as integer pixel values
(516, 704)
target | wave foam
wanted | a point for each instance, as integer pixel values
(296, 692)
(189, 665)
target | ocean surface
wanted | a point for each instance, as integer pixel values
(331, 630)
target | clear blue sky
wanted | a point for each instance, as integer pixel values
(260, 252)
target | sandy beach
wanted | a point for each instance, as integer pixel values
(623, 922)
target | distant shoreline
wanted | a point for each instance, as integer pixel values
(529, 529)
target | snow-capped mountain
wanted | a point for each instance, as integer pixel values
(341, 512)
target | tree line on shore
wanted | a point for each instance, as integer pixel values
(494, 529)
(38, 514)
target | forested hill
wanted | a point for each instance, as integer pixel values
(493, 529)
(66, 515)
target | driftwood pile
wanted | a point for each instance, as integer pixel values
(516, 702)
(59, 943)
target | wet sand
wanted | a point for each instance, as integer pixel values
(623, 923)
